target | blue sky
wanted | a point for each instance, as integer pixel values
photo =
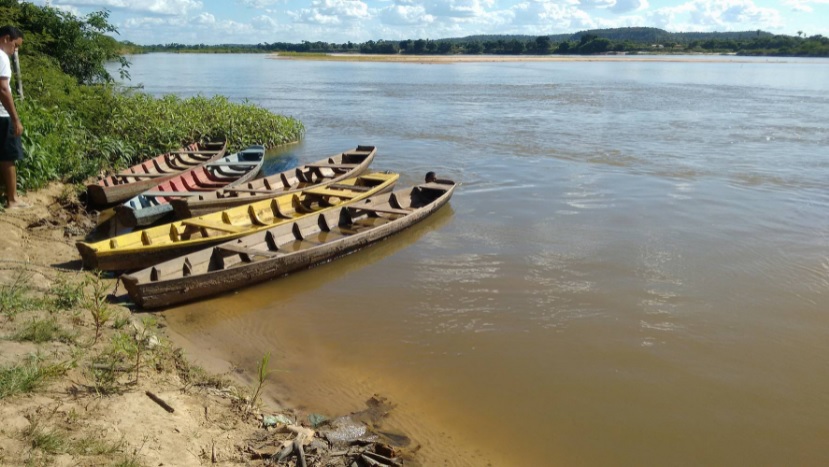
(256, 21)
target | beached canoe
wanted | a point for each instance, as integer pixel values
(329, 170)
(141, 177)
(288, 247)
(143, 248)
(154, 204)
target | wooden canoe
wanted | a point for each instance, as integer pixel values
(324, 171)
(280, 250)
(152, 245)
(141, 177)
(154, 204)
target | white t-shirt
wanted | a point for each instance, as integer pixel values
(5, 72)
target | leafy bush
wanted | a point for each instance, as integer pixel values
(78, 123)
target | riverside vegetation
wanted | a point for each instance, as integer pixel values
(78, 122)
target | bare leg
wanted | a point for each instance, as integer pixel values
(9, 177)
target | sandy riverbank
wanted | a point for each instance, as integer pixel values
(73, 393)
(447, 59)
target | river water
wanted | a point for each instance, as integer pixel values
(634, 270)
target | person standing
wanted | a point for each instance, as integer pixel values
(11, 149)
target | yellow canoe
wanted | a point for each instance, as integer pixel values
(144, 248)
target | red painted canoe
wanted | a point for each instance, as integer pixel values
(141, 177)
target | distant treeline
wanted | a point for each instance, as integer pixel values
(592, 42)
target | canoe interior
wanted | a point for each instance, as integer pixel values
(130, 250)
(143, 175)
(152, 205)
(209, 177)
(305, 233)
(328, 170)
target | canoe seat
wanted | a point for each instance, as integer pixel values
(168, 194)
(187, 151)
(278, 210)
(249, 252)
(249, 190)
(230, 163)
(344, 186)
(379, 209)
(256, 217)
(158, 166)
(139, 175)
(330, 192)
(200, 223)
(328, 165)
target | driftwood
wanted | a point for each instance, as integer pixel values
(377, 457)
(300, 452)
(160, 402)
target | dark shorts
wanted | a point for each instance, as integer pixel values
(10, 147)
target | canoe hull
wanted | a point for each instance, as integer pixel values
(117, 188)
(149, 294)
(142, 211)
(212, 202)
(144, 248)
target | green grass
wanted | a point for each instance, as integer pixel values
(95, 446)
(47, 441)
(66, 294)
(45, 330)
(27, 376)
(14, 298)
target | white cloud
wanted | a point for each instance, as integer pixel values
(804, 5)
(264, 22)
(259, 4)
(597, 3)
(403, 13)
(624, 6)
(459, 8)
(156, 7)
(332, 12)
(551, 16)
(716, 15)
(205, 18)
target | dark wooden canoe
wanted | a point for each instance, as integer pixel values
(146, 247)
(154, 204)
(305, 242)
(322, 172)
(141, 177)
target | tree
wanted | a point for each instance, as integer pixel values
(80, 45)
(542, 45)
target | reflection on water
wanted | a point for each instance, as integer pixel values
(634, 272)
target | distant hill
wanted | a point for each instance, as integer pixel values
(646, 35)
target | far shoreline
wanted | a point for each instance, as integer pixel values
(449, 59)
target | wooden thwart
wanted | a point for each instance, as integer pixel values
(170, 194)
(235, 249)
(194, 152)
(383, 210)
(140, 175)
(329, 192)
(228, 163)
(249, 190)
(345, 186)
(324, 165)
(213, 225)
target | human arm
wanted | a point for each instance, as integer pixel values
(8, 103)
